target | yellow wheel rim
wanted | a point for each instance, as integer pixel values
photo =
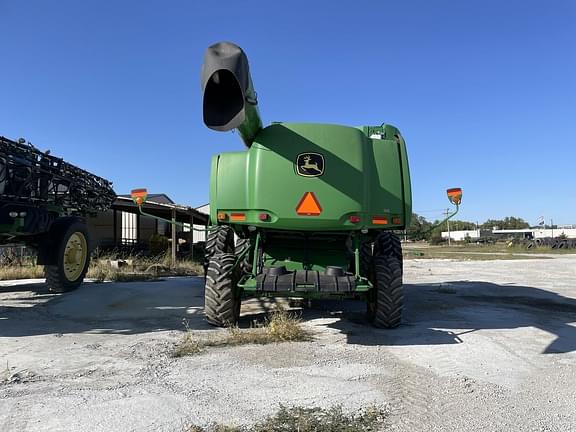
(75, 255)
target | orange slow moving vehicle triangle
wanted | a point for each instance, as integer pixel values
(309, 205)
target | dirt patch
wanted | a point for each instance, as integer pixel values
(310, 420)
(485, 345)
(280, 326)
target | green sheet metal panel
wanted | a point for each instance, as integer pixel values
(361, 176)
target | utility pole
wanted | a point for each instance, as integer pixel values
(192, 237)
(448, 223)
(174, 238)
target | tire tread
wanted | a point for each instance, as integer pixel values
(220, 299)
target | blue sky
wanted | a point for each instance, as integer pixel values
(484, 92)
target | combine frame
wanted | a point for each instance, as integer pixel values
(314, 207)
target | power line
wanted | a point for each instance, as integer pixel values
(429, 211)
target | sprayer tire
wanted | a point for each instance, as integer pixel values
(70, 245)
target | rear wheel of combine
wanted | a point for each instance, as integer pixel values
(386, 299)
(70, 245)
(388, 244)
(221, 298)
(218, 241)
(241, 246)
(366, 260)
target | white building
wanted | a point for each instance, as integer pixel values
(461, 235)
(200, 236)
(525, 233)
(540, 232)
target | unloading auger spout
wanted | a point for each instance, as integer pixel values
(229, 98)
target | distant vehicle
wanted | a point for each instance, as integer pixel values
(43, 202)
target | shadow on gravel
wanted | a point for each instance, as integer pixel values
(36, 287)
(434, 313)
(121, 308)
(441, 313)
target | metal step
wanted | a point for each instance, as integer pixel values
(274, 280)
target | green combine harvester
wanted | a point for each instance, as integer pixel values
(308, 210)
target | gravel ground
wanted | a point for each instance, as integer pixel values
(486, 345)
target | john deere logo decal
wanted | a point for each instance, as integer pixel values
(310, 164)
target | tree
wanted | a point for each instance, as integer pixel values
(435, 237)
(422, 229)
(419, 228)
(458, 225)
(509, 222)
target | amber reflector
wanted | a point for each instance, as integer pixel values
(221, 216)
(238, 217)
(455, 195)
(396, 220)
(139, 196)
(379, 220)
(309, 205)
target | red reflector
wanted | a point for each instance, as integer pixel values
(354, 218)
(396, 220)
(309, 205)
(263, 217)
(380, 220)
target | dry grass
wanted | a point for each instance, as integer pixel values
(310, 420)
(101, 269)
(189, 345)
(13, 272)
(461, 256)
(473, 252)
(136, 268)
(479, 252)
(282, 326)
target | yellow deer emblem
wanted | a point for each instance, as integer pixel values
(307, 165)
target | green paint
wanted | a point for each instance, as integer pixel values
(352, 171)
(362, 176)
(252, 123)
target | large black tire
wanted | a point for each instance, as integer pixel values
(247, 262)
(386, 299)
(221, 299)
(70, 244)
(366, 260)
(218, 241)
(388, 244)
